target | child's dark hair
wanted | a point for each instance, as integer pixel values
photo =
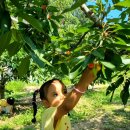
(43, 95)
(10, 100)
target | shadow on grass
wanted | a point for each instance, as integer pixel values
(123, 113)
(108, 119)
(115, 121)
(105, 121)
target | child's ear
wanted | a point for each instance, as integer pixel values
(46, 103)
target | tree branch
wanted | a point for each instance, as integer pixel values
(91, 15)
(80, 40)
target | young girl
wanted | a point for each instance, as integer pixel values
(7, 105)
(58, 102)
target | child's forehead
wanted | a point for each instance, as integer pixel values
(56, 84)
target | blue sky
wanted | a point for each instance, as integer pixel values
(112, 14)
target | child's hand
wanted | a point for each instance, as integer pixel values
(95, 68)
(89, 75)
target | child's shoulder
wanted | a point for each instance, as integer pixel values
(48, 117)
(50, 110)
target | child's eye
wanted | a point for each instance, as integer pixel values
(55, 94)
(65, 91)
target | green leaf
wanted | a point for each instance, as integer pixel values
(74, 74)
(4, 41)
(52, 9)
(88, 59)
(69, 34)
(55, 28)
(66, 80)
(120, 41)
(33, 21)
(103, 72)
(16, 3)
(76, 70)
(108, 65)
(30, 43)
(55, 60)
(114, 20)
(110, 89)
(125, 3)
(82, 30)
(127, 47)
(5, 22)
(13, 48)
(77, 59)
(34, 52)
(24, 66)
(125, 31)
(124, 96)
(57, 18)
(115, 85)
(121, 27)
(17, 35)
(75, 5)
(36, 59)
(119, 81)
(77, 66)
(64, 69)
(108, 73)
(99, 53)
(125, 61)
(115, 1)
(116, 60)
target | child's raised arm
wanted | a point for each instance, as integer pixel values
(73, 97)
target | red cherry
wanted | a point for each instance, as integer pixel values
(68, 52)
(44, 7)
(91, 65)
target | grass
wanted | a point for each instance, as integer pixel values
(94, 111)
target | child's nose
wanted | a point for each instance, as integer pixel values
(62, 97)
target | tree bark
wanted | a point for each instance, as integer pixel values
(88, 13)
(2, 86)
(2, 90)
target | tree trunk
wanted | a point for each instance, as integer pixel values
(2, 90)
(2, 86)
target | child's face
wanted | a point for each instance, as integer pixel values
(56, 94)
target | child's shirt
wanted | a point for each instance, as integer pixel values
(47, 120)
(3, 102)
(5, 107)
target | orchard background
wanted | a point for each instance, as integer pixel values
(41, 39)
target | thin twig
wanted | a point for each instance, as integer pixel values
(95, 19)
(80, 40)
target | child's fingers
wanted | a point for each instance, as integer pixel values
(98, 67)
(94, 65)
(95, 68)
